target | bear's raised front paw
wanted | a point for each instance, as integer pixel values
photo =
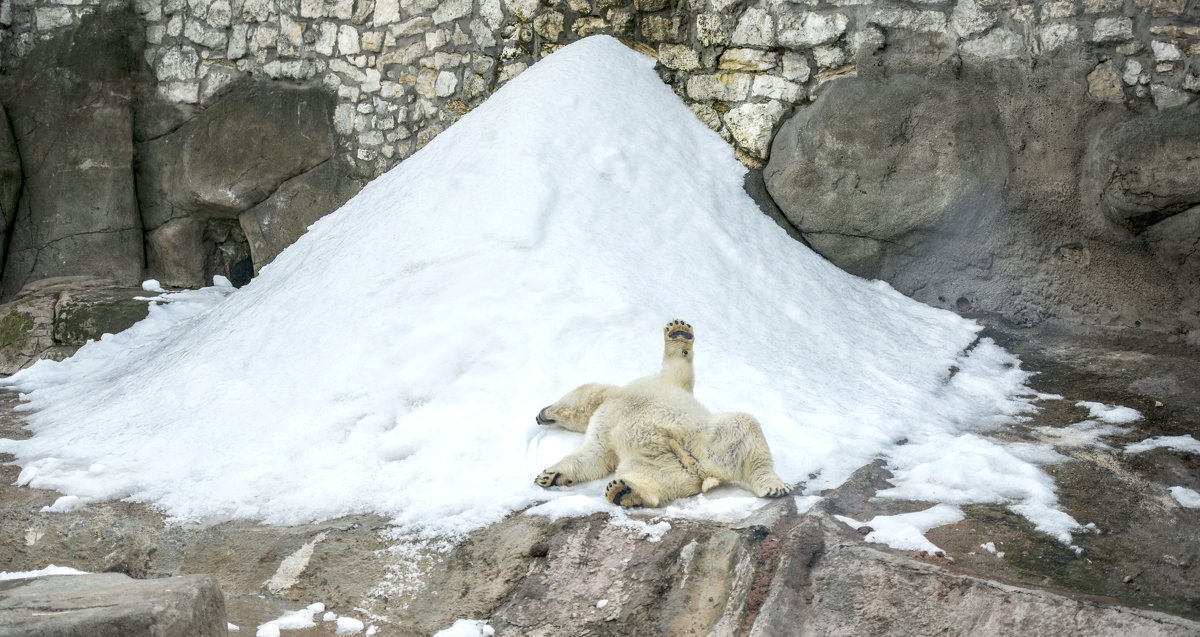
(677, 330)
(550, 478)
(774, 490)
(621, 494)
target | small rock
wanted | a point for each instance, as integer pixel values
(1104, 83)
(113, 604)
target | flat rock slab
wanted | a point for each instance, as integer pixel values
(111, 605)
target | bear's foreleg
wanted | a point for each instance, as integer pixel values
(677, 369)
(591, 462)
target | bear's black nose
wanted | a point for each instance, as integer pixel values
(542, 419)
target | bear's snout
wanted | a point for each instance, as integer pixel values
(542, 419)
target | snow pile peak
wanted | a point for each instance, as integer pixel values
(392, 360)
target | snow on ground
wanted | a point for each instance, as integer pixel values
(1087, 433)
(990, 547)
(467, 628)
(906, 531)
(49, 570)
(1185, 497)
(392, 360)
(1184, 443)
(1112, 414)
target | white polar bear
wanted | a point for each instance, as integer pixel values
(662, 443)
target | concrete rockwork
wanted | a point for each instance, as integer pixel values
(1033, 95)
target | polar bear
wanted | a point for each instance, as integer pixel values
(662, 443)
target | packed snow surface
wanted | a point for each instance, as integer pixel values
(392, 359)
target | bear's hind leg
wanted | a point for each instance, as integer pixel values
(737, 446)
(651, 483)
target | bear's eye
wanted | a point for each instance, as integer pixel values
(685, 353)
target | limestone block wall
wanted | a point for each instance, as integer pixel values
(404, 70)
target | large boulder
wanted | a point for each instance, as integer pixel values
(112, 605)
(70, 107)
(196, 180)
(277, 222)
(961, 187)
(857, 173)
(52, 318)
(1143, 170)
(235, 153)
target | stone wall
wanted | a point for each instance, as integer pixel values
(339, 91)
(403, 70)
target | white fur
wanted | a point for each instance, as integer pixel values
(661, 442)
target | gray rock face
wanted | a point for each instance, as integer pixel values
(1177, 243)
(195, 181)
(963, 189)
(234, 154)
(112, 605)
(70, 110)
(175, 253)
(10, 174)
(277, 222)
(1146, 169)
(857, 173)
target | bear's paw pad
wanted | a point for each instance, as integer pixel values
(677, 330)
(621, 494)
(550, 478)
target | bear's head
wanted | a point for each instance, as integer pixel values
(574, 410)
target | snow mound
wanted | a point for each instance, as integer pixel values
(392, 360)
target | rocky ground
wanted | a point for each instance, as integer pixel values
(1138, 574)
